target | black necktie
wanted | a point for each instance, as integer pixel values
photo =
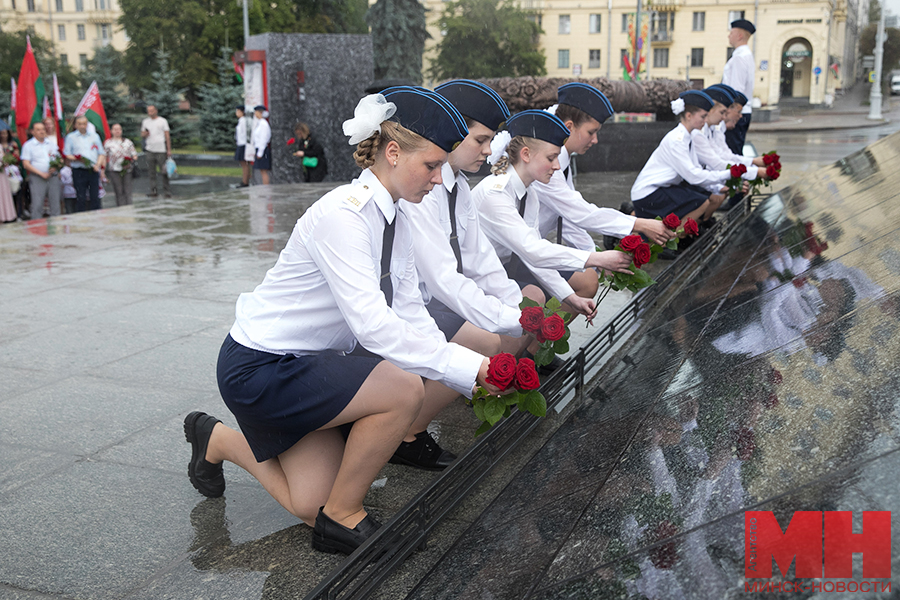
(387, 245)
(559, 219)
(515, 266)
(454, 238)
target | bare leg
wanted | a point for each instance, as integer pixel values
(246, 171)
(264, 174)
(698, 213)
(438, 395)
(320, 469)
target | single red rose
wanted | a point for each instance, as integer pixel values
(776, 176)
(672, 221)
(553, 328)
(775, 377)
(777, 157)
(526, 375)
(691, 227)
(531, 319)
(769, 159)
(291, 141)
(771, 172)
(799, 282)
(777, 166)
(642, 255)
(501, 370)
(735, 170)
(630, 242)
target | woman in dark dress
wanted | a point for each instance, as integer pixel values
(311, 153)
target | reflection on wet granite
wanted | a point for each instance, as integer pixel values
(771, 381)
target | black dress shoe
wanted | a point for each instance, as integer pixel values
(330, 536)
(207, 478)
(423, 453)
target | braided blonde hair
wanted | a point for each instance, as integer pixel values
(512, 155)
(367, 150)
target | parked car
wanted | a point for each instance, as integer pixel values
(895, 84)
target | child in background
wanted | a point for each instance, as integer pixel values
(68, 189)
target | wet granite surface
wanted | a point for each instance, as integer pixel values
(771, 383)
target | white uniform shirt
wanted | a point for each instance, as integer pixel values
(711, 156)
(483, 293)
(559, 199)
(740, 70)
(262, 135)
(719, 143)
(324, 292)
(674, 161)
(240, 132)
(157, 127)
(39, 154)
(497, 198)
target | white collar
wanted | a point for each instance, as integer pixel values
(564, 158)
(517, 183)
(449, 179)
(380, 195)
(742, 49)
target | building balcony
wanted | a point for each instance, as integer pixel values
(661, 37)
(664, 5)
(532, 5)
(103, 16)
(101, 42)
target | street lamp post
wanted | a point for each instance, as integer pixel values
(875, 93)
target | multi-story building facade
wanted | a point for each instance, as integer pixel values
(75, 27)
(803, 48)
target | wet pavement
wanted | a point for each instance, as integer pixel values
(111, 326)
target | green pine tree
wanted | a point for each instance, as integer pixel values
(398, 38)
(217, 103)
(166, 98)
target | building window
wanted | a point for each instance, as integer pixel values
(82, 60)
(562, 59)
(699, 21)
(593, 59)
(594, 26)
(625, 23)
(14, 4)
(538, 19)
(663, 23)
(103, 31)
(64, 60)
(623, 54)
(734, 15)
(660, 58)
(62, 33)
(59, 5)
(30, 5)
(565, 24)
(81, 35)
(696, 57)
(79, 5)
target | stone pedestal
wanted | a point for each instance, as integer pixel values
(317, 79)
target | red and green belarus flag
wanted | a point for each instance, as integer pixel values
(92, 107)
(29, 95)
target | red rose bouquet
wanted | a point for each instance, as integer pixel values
(506, 373)
(772, 169)
(735, 183)
(127, 163)
(57, 162)
(641, 254)
(549, 325)
(84, 160)
(10, 158)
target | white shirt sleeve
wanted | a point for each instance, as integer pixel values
(571, 205)
(437, 268)
(342, 251)
(711, 158)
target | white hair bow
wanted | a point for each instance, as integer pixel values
(370, 113)
(498, 146)
(552, 109)
(677, 106)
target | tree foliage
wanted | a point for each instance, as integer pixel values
(487, 38)
(166, 97)
(891, 58)
(398, 38)
(217, 103)
(874, 11)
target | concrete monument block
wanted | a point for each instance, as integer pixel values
(317, 79)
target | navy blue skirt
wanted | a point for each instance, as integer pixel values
(239, 153)
(679, 199)
(264, 162)
(447, 321)
(277, 399)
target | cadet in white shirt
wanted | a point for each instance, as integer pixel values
(304, 355)
(739, 73)
(672, 181)
(583, 109)
(509, 209)
(709, 154)
(464, 286)
(241, 141)
(261, 141)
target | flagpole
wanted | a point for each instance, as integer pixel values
(246, 26)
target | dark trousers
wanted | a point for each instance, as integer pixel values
(735, 137)
(87, 182)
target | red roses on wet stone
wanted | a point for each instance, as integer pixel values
(505, 373)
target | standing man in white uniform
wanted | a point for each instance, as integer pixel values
(739, 73)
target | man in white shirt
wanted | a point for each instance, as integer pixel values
(158, 146)
(42, 179)
(739, 73)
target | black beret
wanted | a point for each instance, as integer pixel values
(538, 124)
(744, 24)
(697, 98)
(586, 98)
(476, 101)
(428, 114)
(720, 95)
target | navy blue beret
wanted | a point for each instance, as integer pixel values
(720, 95)
(260, 107)
(697, 98)
(736, 95)
(538, 124)
(744, 24)
(586, 98)
(476, 101)
(428, 114)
